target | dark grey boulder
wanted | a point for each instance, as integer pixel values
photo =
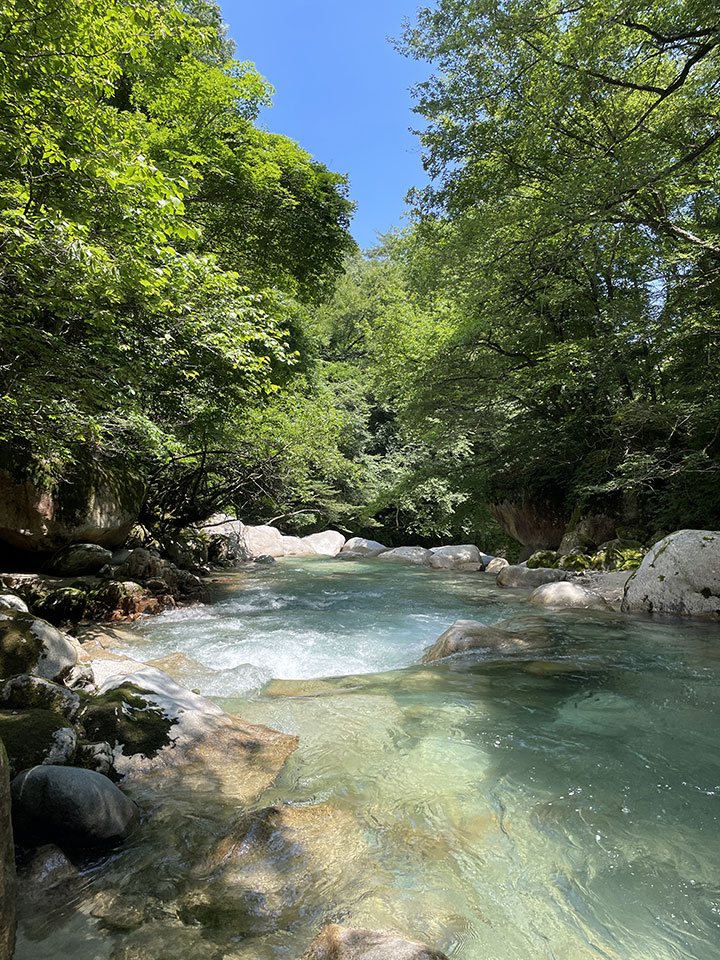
(7, 864)
(77, 559)
(70, 807)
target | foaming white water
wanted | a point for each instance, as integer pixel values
(316, 618)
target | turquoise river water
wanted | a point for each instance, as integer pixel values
(560, 808)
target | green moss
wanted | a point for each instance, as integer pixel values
(542, 558)
(125, 716)
(28, 734)
(574, 561)
(66, 605)
(20, 649)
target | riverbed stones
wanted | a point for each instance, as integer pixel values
(418, 556)
(566, 594)
(496, 565)
(462, 557)
(471, 635)
(29, 645)
(7, 863)
(680, 575)
(357, 547)
(329, 543)
(345, 943)
(519, 576)
(80, 558)
(70, 807)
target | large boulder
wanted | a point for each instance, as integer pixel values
(360, 547)
(344, 943)
(329, 542)
(496, 564)
(70, 807)
(679, 575)
(463, 557)
(466, 635)
(36, 737)
(32, 646)
(537, 525)
(25, 692)
(298, 547)
(519, 576)
(415, 555)
(80, 558)
(263, 541)
(7, 864)
(96, 503)
(566, 594)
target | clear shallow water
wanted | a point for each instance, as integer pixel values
(562, 809)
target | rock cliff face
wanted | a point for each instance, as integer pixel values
(7, 865)
(97, 504)
(539, 526)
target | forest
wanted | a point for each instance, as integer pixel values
(183, 306)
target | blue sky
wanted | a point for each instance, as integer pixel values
(341, 92)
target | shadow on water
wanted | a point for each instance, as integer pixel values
(561, 806)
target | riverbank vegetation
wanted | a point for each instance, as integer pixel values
(181, 293)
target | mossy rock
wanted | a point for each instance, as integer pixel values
(619, 555)
(574, 561)
(31, 736)
(20, 649)
(542, 558)
(65, 605)
(127, 717)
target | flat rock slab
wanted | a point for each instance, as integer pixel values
(344, 943)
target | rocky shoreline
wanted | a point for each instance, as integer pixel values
(81, 721)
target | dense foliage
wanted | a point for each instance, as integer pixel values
(570, 238)
(157, 245)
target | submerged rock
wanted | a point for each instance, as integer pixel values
(466, 635)
(415, 555)
(680, 575)
(267, 866)
(463, 557)
(344, 943)
(566, 594)
(517, 576)
(29, 645)
(70, 807)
